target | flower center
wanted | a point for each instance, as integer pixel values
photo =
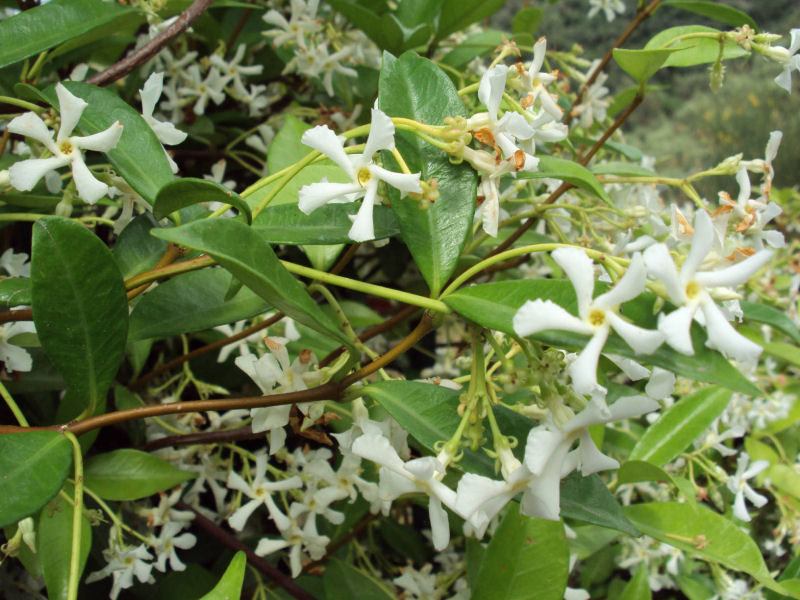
(66, 147)
(363, 176)
(692, 289)
(597, 317)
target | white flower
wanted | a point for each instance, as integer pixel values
(123, 564)
(790, 60)
(596, 317)
(15, 264)
(609, 8)
(689, 290)
(260, 491)
(232, 70)
(15, 357)
(741, 489)
(242, 345)
(165, 131)
(301, 22)
(65, 149)
(297, 539)
(364, 174)
(165, 544)
(203, 89)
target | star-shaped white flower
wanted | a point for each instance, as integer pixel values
(364, 174)
(65, 149)
(689, 289)
(741, 489)
(165, 131)
(790, 59)
(596, 317)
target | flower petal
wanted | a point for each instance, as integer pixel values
(590, 459)
(312, 196)
(381, 134)
(25, 174)
(702, 241)
(71, 108)
(31, 125)
(661, 384)
(675, 326)
(151, 92)
(735, 274)
(643, 341)
(723, 337)
(440, 525)
(542, 315)
(627, 288)
(583, 371)
(102, 141)
(541, 445)
(363, 228)
(323, 139)
(580, 270)
(660, 266)
(90, 189)
(491, 88)
(405, 182)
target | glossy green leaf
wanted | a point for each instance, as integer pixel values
(458, 14)
(526, 22)
(187, 191)
(435, 236)
(15, 291)
(33, 467)
(329, 224)
(622, 169)
(240, 250)
(642, 64)
(344, 582)
(761, 313)
(229, 586)
(130, 474)
(588, 499)
(40, 28)
(493, 305)
(680, 425)
(569, 171)
(698, 51)
(640, 470)
(381, 29)
(524, 554)
(289, 192)
(638, 588)
(286, 148)
(54, 545)
(79, 306)
(706, 535)
(136, 250)
(714, 10)
(476, 44)
(192, 302)
(789, 573)
(138, 157)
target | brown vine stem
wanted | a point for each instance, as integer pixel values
(203, 437)
(332, 390)
(184, 266)
(23, 314)
(638, 19)
(287, 583)
(171, 254)
(151, 48)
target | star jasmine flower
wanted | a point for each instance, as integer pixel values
(203, 89)
(764, 165)
(297, 538)
(609, 8)
(14, 357)
(15, 264)
(165, 131)
(596, 317)
(754, 214)
(232, 70)
(165, 544)
(123, 564)
(689, 289)
(301, 22)
(65, 149)
(789, 58)
(741, 489)
(535, 82)
(362, 171)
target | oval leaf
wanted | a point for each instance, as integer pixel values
(524, 554)
(42, 27)
(640, 470)
(129, 474)
(138, 156)
(493, 305)
(15, 291)
(33, 467)
(436, 236)
(714, 10)
(79, 306)
(230, 585)
(54, 545)
(571, 172)
(680, 425)
(181, 193)
(136, 250)
(761, 313)
(240, 250)
(642, 64)
(698, 51)
(638, 587)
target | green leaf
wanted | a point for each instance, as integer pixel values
(136, 251)
(79, 306)
(458, 14)
(138, 157)
(15, 291)
(33, 466)
(54, 545)
(288, 193)
(328, 224)
(639, 470)
(638, 587)
(240, 250)
(474, 46)
(527, 21)
(286, 148)
(790, 572)
(130, 474)
(230, 585)
(680, 424)
(569, 171)
(761, 313)
(623, 169)
(40, 28)
(190, 302)
(706, 535)
(642, 64)
(588, 499)
(344, 582)
(698, 51)
(493, 305)
(714, 10)
(436, 236)
(524, 554)
(181, 193)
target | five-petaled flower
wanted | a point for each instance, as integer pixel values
(65, 149)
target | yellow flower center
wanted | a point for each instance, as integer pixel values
(66, 147)
(597, 317)
(692, 289)
(363, 176)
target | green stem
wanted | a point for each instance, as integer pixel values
(77, 523)
(12, 405)
(368, 288)
(21, 104)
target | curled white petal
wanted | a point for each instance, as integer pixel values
(31, 125)
(676, 329)
(702, 241)
(735, 274)
(363, 228)
(25, 174)
(405, 182)
(660, 266)
(627, 288)
(723, 337)
(580, 271)
(90, 189)
(381, 134)
(643, 341)
(323, 139)
(312, 196)
(583, 371)
(541, 315)
(101, 142)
